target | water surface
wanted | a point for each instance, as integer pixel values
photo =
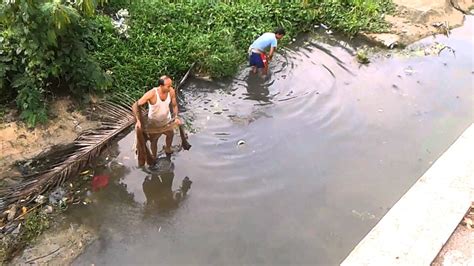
(326, 148)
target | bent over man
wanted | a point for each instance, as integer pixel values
(257, 50)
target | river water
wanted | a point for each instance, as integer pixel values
(293, 170)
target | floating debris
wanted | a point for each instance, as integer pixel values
(11, 213)
(442, 26)
(57, 196)
(362, 57)
(409, 71)
(363, 215)
(40, 199)
(85, 172)
(48, 209)
(17, 229)
(99, 182)
(434, 49)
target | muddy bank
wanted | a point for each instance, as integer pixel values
(459, 250)
(57, 246)
(414, 20)
(20, 143)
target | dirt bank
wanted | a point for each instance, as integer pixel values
(416, 19)
(459, 250)
(19, 143)
(57, 246)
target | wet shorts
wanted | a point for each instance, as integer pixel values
(258, 60)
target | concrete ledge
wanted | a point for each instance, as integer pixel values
(416, 228)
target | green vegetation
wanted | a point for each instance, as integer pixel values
(45, 46)
(362, 57)
(34, 224)
(58, 46)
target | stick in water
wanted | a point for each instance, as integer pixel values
(184, 140)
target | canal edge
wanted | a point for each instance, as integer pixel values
(416, 228)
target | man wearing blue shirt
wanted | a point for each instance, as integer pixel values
(258, 58)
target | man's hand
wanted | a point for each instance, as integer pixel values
(177, 121)
(136, 108)
(270, 54)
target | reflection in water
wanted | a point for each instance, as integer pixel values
(157, 187)
(257, 88)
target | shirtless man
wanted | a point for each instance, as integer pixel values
(159, 115)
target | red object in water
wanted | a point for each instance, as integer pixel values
(99, 181)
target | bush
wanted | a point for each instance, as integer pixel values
(45, 45)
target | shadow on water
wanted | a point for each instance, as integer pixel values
(157, 187)
(294, 169)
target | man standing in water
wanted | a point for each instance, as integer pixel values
(258, 57)
(158, 121)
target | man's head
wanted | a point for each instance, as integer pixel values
(165, 83)
(279, 33)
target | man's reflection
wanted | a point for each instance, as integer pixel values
(157, 187)
(257, 89)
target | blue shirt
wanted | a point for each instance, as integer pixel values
(266, 40)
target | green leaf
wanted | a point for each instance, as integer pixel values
(51, 35)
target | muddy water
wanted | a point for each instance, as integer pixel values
(295, 169)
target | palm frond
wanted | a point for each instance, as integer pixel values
(115, 116)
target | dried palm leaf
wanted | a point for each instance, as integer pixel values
(115, 116)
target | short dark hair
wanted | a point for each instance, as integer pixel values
(280, 31)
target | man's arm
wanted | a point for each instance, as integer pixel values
(270, 54)
(174, 103)
(137, 110)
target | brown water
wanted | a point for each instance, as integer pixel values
(329, 147)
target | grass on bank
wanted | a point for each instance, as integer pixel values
(64, 46)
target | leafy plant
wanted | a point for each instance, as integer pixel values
(44, 45)
(362, 57)
(35, 223)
